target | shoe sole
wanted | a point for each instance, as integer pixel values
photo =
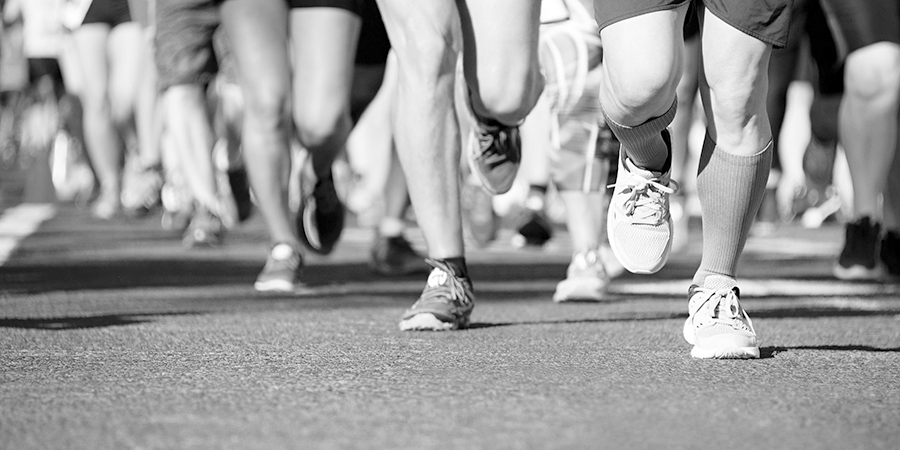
(858, 273)
(274, 286)
(428, 322)
(730, 352)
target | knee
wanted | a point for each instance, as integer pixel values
(734, 99)
(266, 105)
(510, 91)
(637, 96)
(317, 126)
(873, 72)
(425, 57)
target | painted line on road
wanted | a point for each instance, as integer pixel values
(19, 222)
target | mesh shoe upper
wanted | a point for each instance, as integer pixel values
(282, 269)
(586, 278)
(494, 153)
(718, 326)
(639, 224)
(395, 256)
(859, 258)
(445, 304)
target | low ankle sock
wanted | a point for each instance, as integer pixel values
(730, 188)
(391, 227)
(458, 264)
(644, 144)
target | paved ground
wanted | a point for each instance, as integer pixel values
(112, 336)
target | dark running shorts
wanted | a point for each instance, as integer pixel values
(110, 12)
(374, 44)
(354, 6)
(858, 23)
(184, 41)
(766, 20)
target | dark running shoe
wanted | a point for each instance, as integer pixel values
(321, 217)
(395, 256)
(859, 259)
(890, 253)
(494, 153)
(240, 191)
(445, 304)
(204, 230)
(534, 231)
(282, 269)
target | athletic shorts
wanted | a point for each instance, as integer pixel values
(859, 23)
(110, 12)
(184, 41)
(374, 44)
(766, 20)
(355, 6)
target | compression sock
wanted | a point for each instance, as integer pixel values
(644, 144)
(730, 188)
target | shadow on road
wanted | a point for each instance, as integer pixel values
(76, 323)
(771, 352)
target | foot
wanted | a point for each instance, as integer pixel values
(321, 217)
(717, 326)
(282, 269)
(395, 256)
(534, 231)
(639, 225)
(445, 304)
(204, 230)
(859, 260)
(586, 279)
(494, 152)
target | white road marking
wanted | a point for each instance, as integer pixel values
(20, 221)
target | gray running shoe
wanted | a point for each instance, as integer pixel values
(395, 256)
(717, 326)
(494, 153)
(204, 230)
(282, 269)
(445, 304)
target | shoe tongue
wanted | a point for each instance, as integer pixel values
(437, 278)
(646, 173)
(282, 252)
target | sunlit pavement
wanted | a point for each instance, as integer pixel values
(114, 336)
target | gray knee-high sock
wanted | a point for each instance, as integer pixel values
(730, 188)
(644, 144)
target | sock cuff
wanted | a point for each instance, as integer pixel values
(648, 129)
(391, 227)
(711, 150)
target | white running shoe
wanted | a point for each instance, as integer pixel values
(639, 225)
(586, 279)
(717, 326)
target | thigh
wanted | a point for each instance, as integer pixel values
(418, 28)
(324, 47)
(258, 34)
(127, 57)
(90, 46)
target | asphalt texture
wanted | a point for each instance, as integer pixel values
(113, 336)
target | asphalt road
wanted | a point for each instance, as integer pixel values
(112, 336)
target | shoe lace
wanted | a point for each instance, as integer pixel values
(493, 155)
(442, 277)
(721, 306)
(646, 197)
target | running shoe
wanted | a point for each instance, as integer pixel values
(321, 217)
(717, 326)
(395, 256)
(639, 225)
(204, 230)
(859, 259)
(495, 151)
(586, 279)
(445, 304)
(240, 191)
(282, 269)
(890, 253)
(534, 231)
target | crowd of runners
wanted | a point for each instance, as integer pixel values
(465, 116)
